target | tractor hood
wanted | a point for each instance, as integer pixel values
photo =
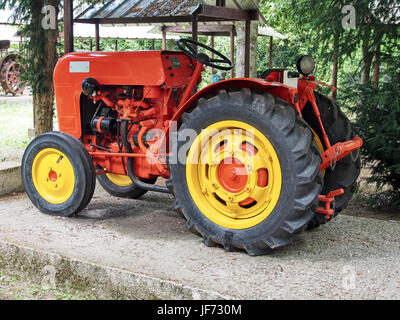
(146, 68)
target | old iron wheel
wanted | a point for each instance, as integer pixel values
(11, 75)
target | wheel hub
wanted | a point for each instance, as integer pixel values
(232, 175)
(53, 176)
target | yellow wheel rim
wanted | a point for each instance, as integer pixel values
(233, 174)
(53, 176)
(320, 146)
(119, 179)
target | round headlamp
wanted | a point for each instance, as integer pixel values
(90, 87)
(305, 65)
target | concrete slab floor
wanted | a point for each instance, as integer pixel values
(349, 258)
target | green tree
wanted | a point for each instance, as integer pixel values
(319, 25)
(40, 55)
(378, 123)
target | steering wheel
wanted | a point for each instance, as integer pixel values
(188, 47)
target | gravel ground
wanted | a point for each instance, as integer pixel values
(349, 258)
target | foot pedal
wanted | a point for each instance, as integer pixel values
(328, 211)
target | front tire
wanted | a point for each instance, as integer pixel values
(58, 174)
(271, 202)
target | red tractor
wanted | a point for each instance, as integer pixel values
(251, 162)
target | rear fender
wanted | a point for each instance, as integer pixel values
(288, 94)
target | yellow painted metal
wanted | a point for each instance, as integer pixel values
(319, 144)
(53, 176)
(216, 202)
(119, 179)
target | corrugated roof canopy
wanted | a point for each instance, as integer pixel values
(116, 32)
(164, 11)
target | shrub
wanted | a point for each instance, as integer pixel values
(378, 123)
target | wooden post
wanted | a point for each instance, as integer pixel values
(91, 44)
(152, 44)
(116, 45)
(247, 50)
(212, 54)
(97, 37)
(271, 42)
(164, 38)
(232, 34)
(195, 29)
(68, 26)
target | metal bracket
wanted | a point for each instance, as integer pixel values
(339, 151)
(328, 211)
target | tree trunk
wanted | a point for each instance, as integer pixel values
(43, 113)
(377, 64)
(368, 48)
(335, 63)
(366, 59)
(44, 62)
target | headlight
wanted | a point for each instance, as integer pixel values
(305, 65)
(90, 87)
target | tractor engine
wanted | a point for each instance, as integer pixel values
(146, 111)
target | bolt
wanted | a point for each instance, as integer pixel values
(59, 175)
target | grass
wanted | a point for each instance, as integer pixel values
(16, 288)
(15, 120)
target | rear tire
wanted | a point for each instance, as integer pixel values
(298, 158)
(58, 174)
(346, 171)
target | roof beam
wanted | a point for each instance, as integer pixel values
(127, 20)
(202, 29)
(228, 13)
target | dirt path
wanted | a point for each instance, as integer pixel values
(349, 258)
